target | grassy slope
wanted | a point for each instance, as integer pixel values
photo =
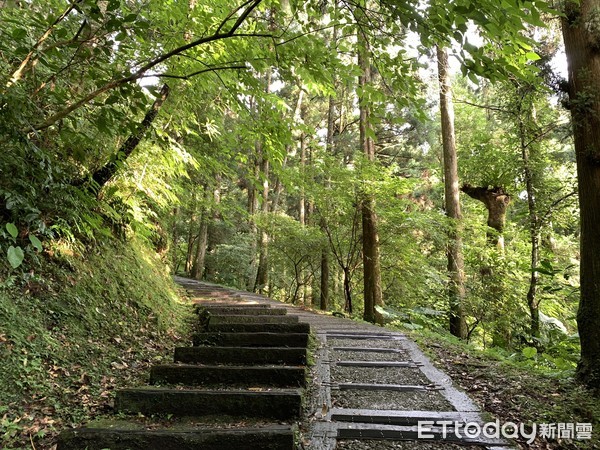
(513, 392)
(87, 324)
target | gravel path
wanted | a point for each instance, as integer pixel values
(325, 401)
(379, 375)
(399, 445)
(401, 401)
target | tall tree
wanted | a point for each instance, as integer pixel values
(581, 33)
(456, 287)
(370, 237)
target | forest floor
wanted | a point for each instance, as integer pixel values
(65, 393)
(75, 330)
(509, 391)
(512, 393)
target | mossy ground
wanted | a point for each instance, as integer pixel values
(74, 329)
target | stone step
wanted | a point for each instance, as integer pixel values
(268, 438)
(259, 327)
(273, 404)
(194, 375)
(243, 310)
(202, 305)
(241, 355)
(246, 319)
(252, 339)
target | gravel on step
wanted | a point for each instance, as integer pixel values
(405, 401)
(367, 356)
(380, 343)
(378, 375)
(353, 444)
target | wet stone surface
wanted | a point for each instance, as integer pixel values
(405, 401)
(353, 444)
(378, 375)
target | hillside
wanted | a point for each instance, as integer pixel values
(76, 327)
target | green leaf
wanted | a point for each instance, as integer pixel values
(532, 56)
(529, 352)
(19, 33)
(15, 256)
(37, 244)
(12, 229)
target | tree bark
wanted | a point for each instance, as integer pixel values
(324, 285)
(581, 34)
(103, 175)
(262, 271)
(456, 265)
(496, 201)
(197, 271)
(252, 209)
(526, 115)
(347, 291)
(371, 267)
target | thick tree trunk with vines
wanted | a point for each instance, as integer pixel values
(456, 265)
(581, 32)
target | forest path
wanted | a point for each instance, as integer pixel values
(369, 387)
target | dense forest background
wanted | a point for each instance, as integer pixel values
(304, 150)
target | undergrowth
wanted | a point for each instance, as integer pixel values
(516, 389)
(75, 328)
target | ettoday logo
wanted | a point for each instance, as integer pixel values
(508, 430)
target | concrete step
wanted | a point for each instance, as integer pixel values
(272, 404)
(264, 438)
(194, 375)
(241, 355)
(243, 310)
(254, 339)
(259, 327)
(203, 305)
(244, 319)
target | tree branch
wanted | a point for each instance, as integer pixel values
(555, 203)
(193, 74)
(103, 175)
(18, 74)
(490, 107)
(149, 65)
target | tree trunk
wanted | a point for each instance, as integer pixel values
(581, 34)
(347, 291)
(496, 202)
(456, 265)
(106, 172)
(534, 221)
(324, 285)
(262, 271)
(198, 266)
(175, 235)
(252, 210)
(371, 268)
(191, 239)
(302, 200)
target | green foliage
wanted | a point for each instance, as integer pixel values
(262, 130)
(72, 329)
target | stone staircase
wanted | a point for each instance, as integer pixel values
(238, 387)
